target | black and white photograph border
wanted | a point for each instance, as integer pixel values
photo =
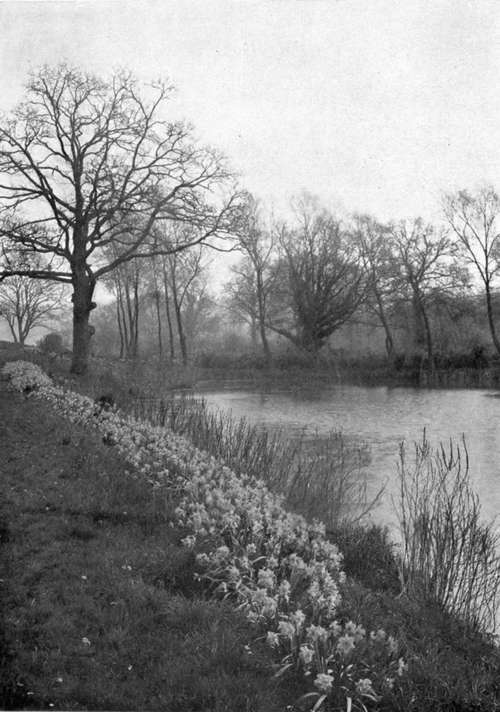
(249, 355)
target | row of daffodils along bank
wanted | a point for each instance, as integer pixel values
(278, 567)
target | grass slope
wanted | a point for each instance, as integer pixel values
(99, 606)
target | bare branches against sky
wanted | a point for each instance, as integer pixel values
(380, 105)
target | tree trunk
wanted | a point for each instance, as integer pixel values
(418, 329)
(158, 318)
(120, 326)
(311, 341)
(265, 342)
(491, 320)
(26, 327)
(180, 326)
(83, 290)
(130, 320)
(167, 311)
(389, 341)
(262, 319)
(156, 298)
(428, 337)
(253, 331)
(13, 331)
(136, 317)
(20, 331)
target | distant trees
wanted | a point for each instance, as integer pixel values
(301, 280)
(250, 292)
(325, 279)
(421, 253)
(474, 218)
(304, 280)
(316, 274)
(412, 274)
(162, 294)
(26, 304)
(87, 163)
(184, 280)
(375, 244)
(127, 283)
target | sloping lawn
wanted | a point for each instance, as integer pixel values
(100, 609)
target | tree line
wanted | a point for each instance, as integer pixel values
(305, 279)
(98, 185)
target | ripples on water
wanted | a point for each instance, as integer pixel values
(382, 417)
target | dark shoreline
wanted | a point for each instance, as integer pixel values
(488, 378)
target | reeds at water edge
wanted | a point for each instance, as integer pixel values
(320, 477)
(449, 556)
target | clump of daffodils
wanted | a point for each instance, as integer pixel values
(275, 565)
(25, 376)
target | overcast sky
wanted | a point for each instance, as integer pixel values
(374, 105)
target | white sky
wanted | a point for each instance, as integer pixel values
(374, 105)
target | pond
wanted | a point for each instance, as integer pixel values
(380, 417)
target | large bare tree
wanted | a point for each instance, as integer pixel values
(475, 219)
(87, 162)
(325, 277)
(250, 289)
(426, 269)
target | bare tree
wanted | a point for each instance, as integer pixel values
(184, 282)
(168, 307)
(125, 283)
(88, 162)
(376, 249)
(475, 220)
(241, 296)
(26, 304)
(155, 295)
(422, 254)
(325, 277)
(198, 313)
(254, 278)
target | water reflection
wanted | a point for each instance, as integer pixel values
(382, 417)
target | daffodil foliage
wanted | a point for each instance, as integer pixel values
(275, 565)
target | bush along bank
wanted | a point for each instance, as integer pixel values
(274, 565)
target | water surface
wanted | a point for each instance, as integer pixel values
(382, 417)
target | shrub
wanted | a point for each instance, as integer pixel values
(449, 555)
(51, 343)
(25, 376)
(370, 556)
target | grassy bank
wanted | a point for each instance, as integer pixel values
(100, 607)
(132, 597)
